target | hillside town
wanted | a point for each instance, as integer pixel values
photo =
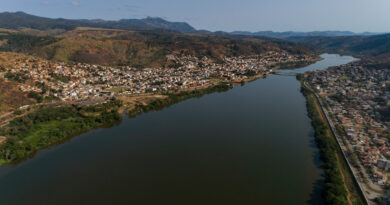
(80, 82)
(358, 96)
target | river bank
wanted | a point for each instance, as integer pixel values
(341, 186)
(48, 126)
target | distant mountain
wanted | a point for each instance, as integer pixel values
(377, 46)
(19, 20)
(288, 34)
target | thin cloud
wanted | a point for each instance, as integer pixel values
(45, 3)
(75, 3)
(131, 8)
(127, 8)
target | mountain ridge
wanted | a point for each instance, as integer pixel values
(17, 20)
(288, 34)
(375, 47)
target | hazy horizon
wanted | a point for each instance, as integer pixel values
(247, 15)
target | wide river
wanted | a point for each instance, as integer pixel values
(250, 145)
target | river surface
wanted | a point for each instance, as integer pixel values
(250, 145)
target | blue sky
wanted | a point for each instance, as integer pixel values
(226, 15)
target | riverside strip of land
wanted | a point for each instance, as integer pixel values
(67, 99)
(341, 187)
(353, 98)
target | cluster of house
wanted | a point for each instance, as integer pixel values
(76, 82)
(357, 97)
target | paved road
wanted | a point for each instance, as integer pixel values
(368, 194)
